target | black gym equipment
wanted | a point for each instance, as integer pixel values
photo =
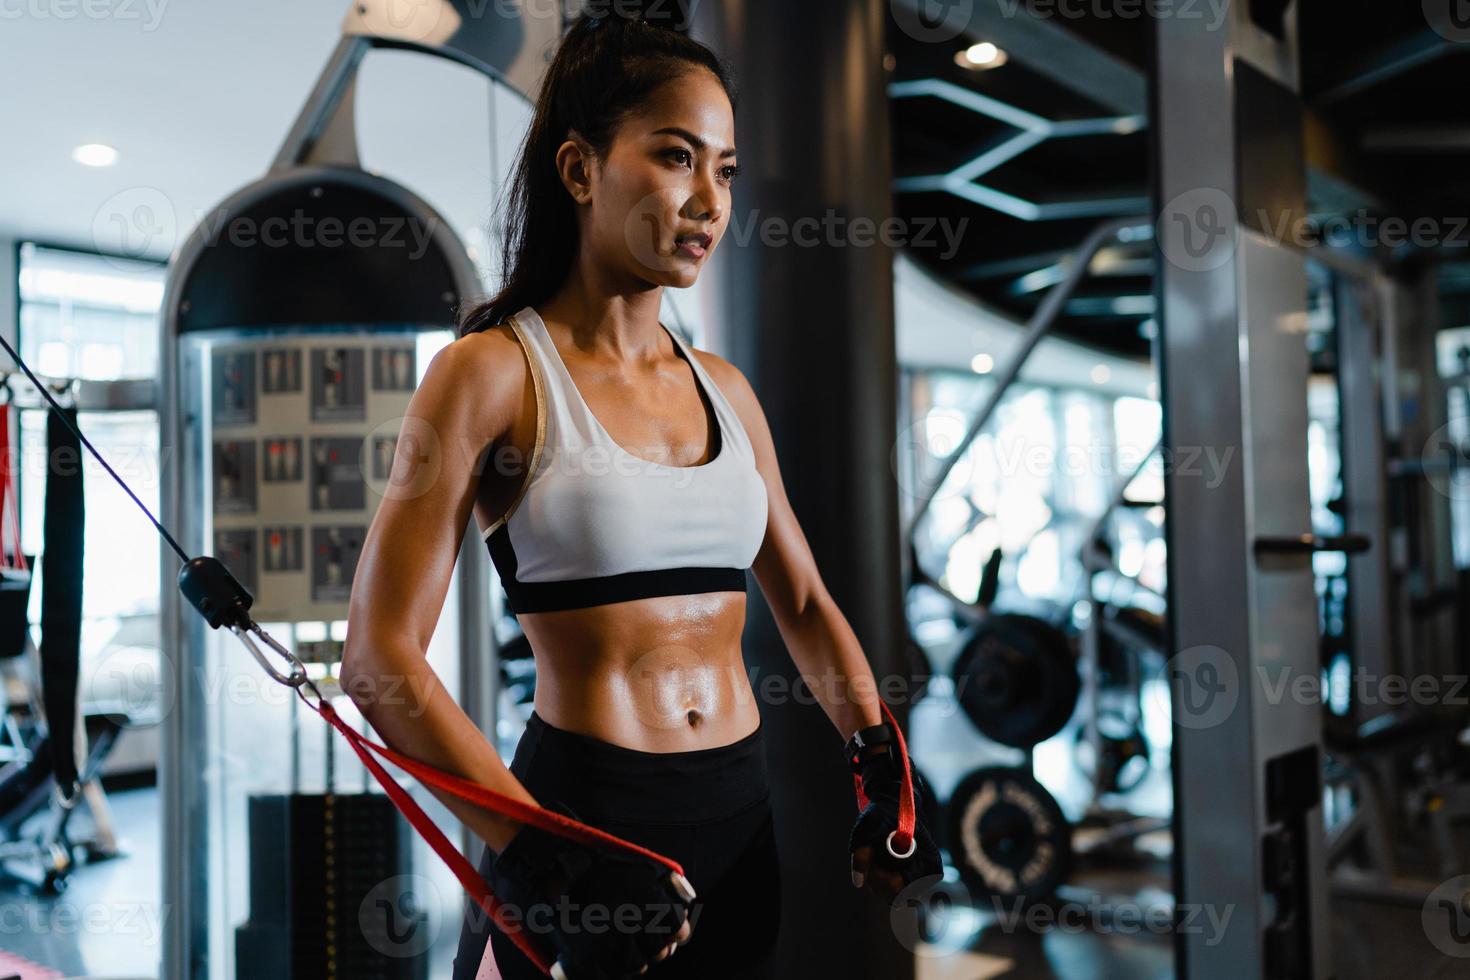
(37, 848)
(1016, 679)
(61, 600)
(1403, 778)
(315, 860)
(1121, 763)
(52, 746)
(15, 598)
(1007, 837)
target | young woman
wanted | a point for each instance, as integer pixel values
(623, 482)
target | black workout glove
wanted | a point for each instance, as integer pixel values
(582, 898)
(882, 780)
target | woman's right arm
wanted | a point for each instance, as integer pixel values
(466, 403)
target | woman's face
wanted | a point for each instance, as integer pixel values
(657, 203)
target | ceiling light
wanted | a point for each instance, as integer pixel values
(94, 155)
(981, 56)
(1101, 374)
(982, 364)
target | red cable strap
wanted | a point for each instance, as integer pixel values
(472, 792)
(906, 814)
(9, 512)
(537, 816)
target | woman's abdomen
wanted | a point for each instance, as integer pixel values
(664, 674)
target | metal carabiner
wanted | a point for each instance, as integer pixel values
(295, 678)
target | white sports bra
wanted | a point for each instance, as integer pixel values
(595, 524)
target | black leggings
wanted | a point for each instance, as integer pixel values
(708, 809)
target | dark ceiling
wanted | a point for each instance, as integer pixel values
(1385, 87)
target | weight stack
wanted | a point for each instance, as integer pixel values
(314, 860)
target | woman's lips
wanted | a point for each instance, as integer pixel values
(691, 247)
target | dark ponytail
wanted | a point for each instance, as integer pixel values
(614, 56)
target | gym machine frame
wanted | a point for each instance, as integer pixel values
(1386, 328)
(319, 151)
(1228, 157)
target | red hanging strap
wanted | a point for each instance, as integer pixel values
(903, 838)
(472, 792)
(9, 512)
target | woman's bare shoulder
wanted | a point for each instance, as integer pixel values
(731, 379)
(488, 373)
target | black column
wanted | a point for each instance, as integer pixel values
(807, 314)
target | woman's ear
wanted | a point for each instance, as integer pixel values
(574, 164)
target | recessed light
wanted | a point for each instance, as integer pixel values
(94, 155)
(1101, 374)
(982, 364)
(980, 56)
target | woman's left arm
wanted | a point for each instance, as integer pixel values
(822, 644)
(832, 663)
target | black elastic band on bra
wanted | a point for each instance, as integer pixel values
(530, 597)
(576, 593)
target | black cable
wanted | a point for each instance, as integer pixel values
(62, 415)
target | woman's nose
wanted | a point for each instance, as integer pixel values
(708, 203)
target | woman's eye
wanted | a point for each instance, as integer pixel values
(679, 155)
(730, 173)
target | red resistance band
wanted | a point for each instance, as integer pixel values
(9, 512)
(903, 838)
(536, 816)
(489, 799)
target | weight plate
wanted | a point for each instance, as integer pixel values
(1017, 680)
(1007, 836)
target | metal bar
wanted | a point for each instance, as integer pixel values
(1044, 44)
(1382, 65)
(1306, 544)
(1120, 495)
(87, 395)
(321, 106)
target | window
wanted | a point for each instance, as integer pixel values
(1033, 482)
(95, 318)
